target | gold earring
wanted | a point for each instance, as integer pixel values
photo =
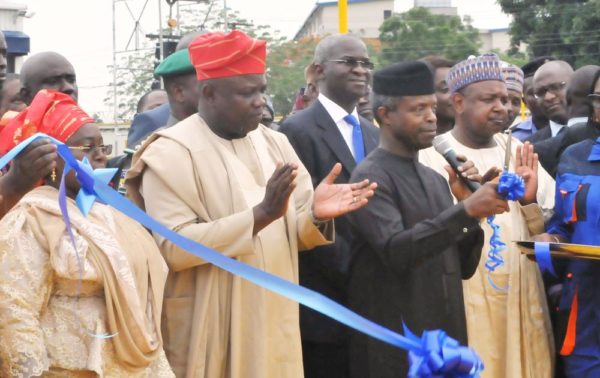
(53, 175)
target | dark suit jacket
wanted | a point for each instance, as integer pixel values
(146, 123)
(319, 144)
(549, 150)
(540, 135)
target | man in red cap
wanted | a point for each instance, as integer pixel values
(224, 180)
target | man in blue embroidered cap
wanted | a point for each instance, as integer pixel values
(413, 245)
(506, 310)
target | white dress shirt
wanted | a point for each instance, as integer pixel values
(337, 114)
(555, 128)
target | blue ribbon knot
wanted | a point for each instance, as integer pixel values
(441, 356)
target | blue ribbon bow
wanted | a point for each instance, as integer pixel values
(444, 348)
(443, 357)
(512, 187)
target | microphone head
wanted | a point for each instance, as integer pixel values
(441, 144)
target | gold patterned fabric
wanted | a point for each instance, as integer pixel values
(510, 329)
(55, 301)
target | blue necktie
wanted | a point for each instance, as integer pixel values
(357, 138)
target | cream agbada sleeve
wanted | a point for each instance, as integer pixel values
(171, 204)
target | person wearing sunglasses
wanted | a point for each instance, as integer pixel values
(90, 306)
(330, 131)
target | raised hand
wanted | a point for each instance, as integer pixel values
(277, 194)
(526, 166)
(29, 167)
(332, 200)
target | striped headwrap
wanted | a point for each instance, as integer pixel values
(474, 69)
(53, 113)
(217, 55)
(513, 77)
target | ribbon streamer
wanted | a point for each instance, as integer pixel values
(443, 351)
(543, 257)
(512, 187)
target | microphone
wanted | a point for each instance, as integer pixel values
(442, 146)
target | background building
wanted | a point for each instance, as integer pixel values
(364, 18)
(11, 24)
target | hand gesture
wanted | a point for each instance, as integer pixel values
(526, 166)
(470, 172)
(332, 200)
(33, 164)
(485, 202)
(277, 194)
(279, 189)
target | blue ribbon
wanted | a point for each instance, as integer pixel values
(443, 357)
(444, 349)
(543, 257)
(512, 187)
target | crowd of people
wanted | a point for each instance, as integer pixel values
(350, 178)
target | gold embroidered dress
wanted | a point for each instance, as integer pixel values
(46, 321)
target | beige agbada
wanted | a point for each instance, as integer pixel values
(51, 326)
(204, 187)
(510, 329)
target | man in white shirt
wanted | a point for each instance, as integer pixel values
(327, 132)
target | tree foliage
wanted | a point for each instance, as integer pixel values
(286, 59)
(566, 29)
(286, 63)
(418, 33)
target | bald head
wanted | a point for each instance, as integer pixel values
(578, 89)
(185, 40)
(342, 69)
(329, 45)
(47, 70)
(550, 84)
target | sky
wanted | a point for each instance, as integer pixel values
(83, 30)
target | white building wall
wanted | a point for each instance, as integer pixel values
(364, 19)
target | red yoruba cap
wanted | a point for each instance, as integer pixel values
(217, 55)
(53, 113)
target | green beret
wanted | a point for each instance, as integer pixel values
(177, 63)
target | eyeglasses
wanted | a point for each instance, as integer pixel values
(353, 63)
(91, 150)
(595, 100)
(540, 93)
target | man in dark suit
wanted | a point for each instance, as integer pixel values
(327, 132)
(550, 84)
(146, 123)
(578, 129)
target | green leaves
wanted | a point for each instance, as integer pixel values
(418, 33)
(566, 29)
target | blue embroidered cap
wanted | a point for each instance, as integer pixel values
(474, 69)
